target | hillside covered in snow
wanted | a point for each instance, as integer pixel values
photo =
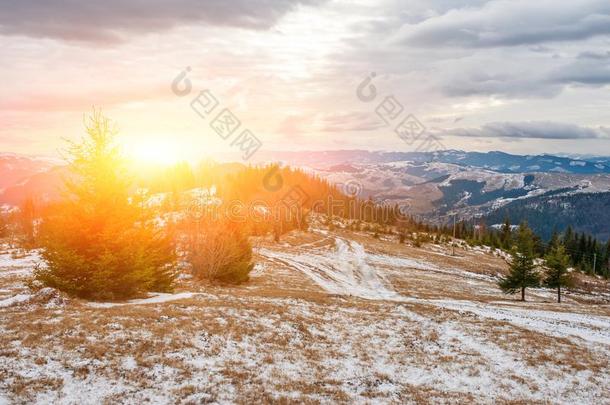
(327, 317)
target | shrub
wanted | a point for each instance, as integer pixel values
(220, 252)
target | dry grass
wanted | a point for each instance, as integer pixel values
(280, 339)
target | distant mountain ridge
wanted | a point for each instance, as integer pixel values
(487, 185)
(500, 162)
(490, 185)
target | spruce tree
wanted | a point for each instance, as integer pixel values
(97, 243)
(556, 270)
(506, 235)
(522, 272)
(554, 241)
(27, 217)
(3, 225)
(606, 261)
(569, 241)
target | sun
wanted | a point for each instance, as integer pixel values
(154, 151)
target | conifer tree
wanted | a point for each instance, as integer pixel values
(606, 261)
(27, 217)
(401, 236)
(97, 243)
(554, 241)
(522, 269)
(506, 236)
(556, 266)
(569, 241)
(3, 225)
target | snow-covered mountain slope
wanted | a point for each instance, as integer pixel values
(15, 169)
(469, 183)
(495, 161)
(436, 188)
(327, 317)
(429, 184)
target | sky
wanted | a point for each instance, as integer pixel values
(520, 76)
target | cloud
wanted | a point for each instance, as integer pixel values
(532, 130)
(510, 23)
(594, 55)
(481, 83)
(519, 75)
(592, 72)
(113, 21)
(350, 121)
(339, 122)
(82, 100)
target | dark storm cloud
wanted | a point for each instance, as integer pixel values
(109, 21)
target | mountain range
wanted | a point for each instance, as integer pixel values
(549, 191)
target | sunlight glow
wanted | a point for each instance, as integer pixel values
(154, 151)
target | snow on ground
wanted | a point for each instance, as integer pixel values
(16, 299)
(344, 270)
(350, 270)
(369, 342)
(590, 328)
(155, 298)
(14, 262)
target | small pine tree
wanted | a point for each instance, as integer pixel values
(554, 241)
(3, 225)
(401, 237)
(556, 266)
(606, 261)
(522, 272)
(506, 236)
(277, 231)
(302, 221)
(27, 218)
(97, 243)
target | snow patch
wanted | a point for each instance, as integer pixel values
(156, 298)
(343, 271)
(17, 299)
(593, 329)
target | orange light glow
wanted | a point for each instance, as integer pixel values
(153, 151)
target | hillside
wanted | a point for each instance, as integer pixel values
(473, 185)
(327, 317)
(548, 213)
(429, 185)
